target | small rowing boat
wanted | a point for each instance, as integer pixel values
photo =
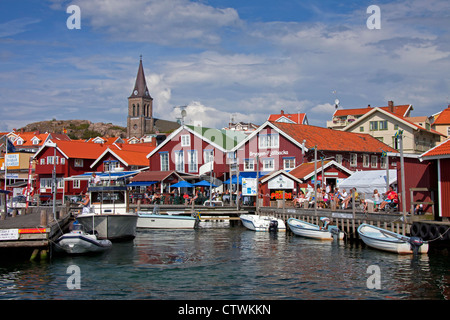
(309, 230)
(262, 223)
(386, 240)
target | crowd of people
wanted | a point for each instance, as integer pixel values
(343, 199)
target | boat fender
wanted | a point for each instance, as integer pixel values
(273, 226)
(424, 230)
(415, 243)
(415, 230)
(434, 232)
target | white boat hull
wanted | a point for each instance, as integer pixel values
(81, 243)
(162, 221)
(383, 240)
(261, 223)
(110, 226)
(309, 230)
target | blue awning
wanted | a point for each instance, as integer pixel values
(141, 183)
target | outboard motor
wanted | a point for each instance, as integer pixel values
(415, 243)
(273, 226)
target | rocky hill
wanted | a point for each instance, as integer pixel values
(77, 129)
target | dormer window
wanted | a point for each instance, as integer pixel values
(35, 141)
(19, 142)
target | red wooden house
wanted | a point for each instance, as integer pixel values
(189, 148)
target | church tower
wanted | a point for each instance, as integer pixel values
(140, 107)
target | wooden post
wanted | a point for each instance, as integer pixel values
(43, 218)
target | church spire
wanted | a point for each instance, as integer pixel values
(140, 87)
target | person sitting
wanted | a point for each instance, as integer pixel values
(192, 201)
(349, 197)
(391, 197)
(299, 199)
(156, 198)
(375, 201)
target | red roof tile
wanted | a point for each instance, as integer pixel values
(444, 117)
(400, 110)
(442, 149)
(332, 140)
(296, 117)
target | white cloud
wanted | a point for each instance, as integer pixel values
(169, 22)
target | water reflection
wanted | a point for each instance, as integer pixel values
(231, 263)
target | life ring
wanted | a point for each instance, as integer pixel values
(424, 231)
(415, 229)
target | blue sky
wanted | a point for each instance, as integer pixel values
(222, 58)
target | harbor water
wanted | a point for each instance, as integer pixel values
(222, 262)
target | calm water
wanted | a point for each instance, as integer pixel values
(221, 262)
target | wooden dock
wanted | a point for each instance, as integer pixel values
(33, 230)
(346, 220)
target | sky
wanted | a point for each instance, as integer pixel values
(223, 59)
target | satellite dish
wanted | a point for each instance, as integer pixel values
(183, 113)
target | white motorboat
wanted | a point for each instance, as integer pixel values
(386, 240)
(262, 223)
(78, 242)
(165, 221)
(309, 230)
(109, 214)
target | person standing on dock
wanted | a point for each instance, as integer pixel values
(86, 203)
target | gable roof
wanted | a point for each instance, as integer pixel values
(273, 174)
(299, 118)
(403, 120)
(76, 149)
(442, 150)
(401, 110)
(332, 140)
(443, 117)
(224, 140)
(127, 157)
(306, 170)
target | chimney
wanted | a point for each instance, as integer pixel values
(391, 106)
(368, 106)
(282, 111)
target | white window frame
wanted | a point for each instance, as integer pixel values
(366, 161)
(76, 184)
(374, 161)
(208, 155)
(353, 159)
(268, 164)
(339, 158)
(383, 162)
(50, 160)
(288, 163)
(185, 140)
(193, 161)
(42, 161)
(164, 161)
(269, 140)
(249, 164)
(179, 161)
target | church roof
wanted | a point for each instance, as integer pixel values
(140, 89)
